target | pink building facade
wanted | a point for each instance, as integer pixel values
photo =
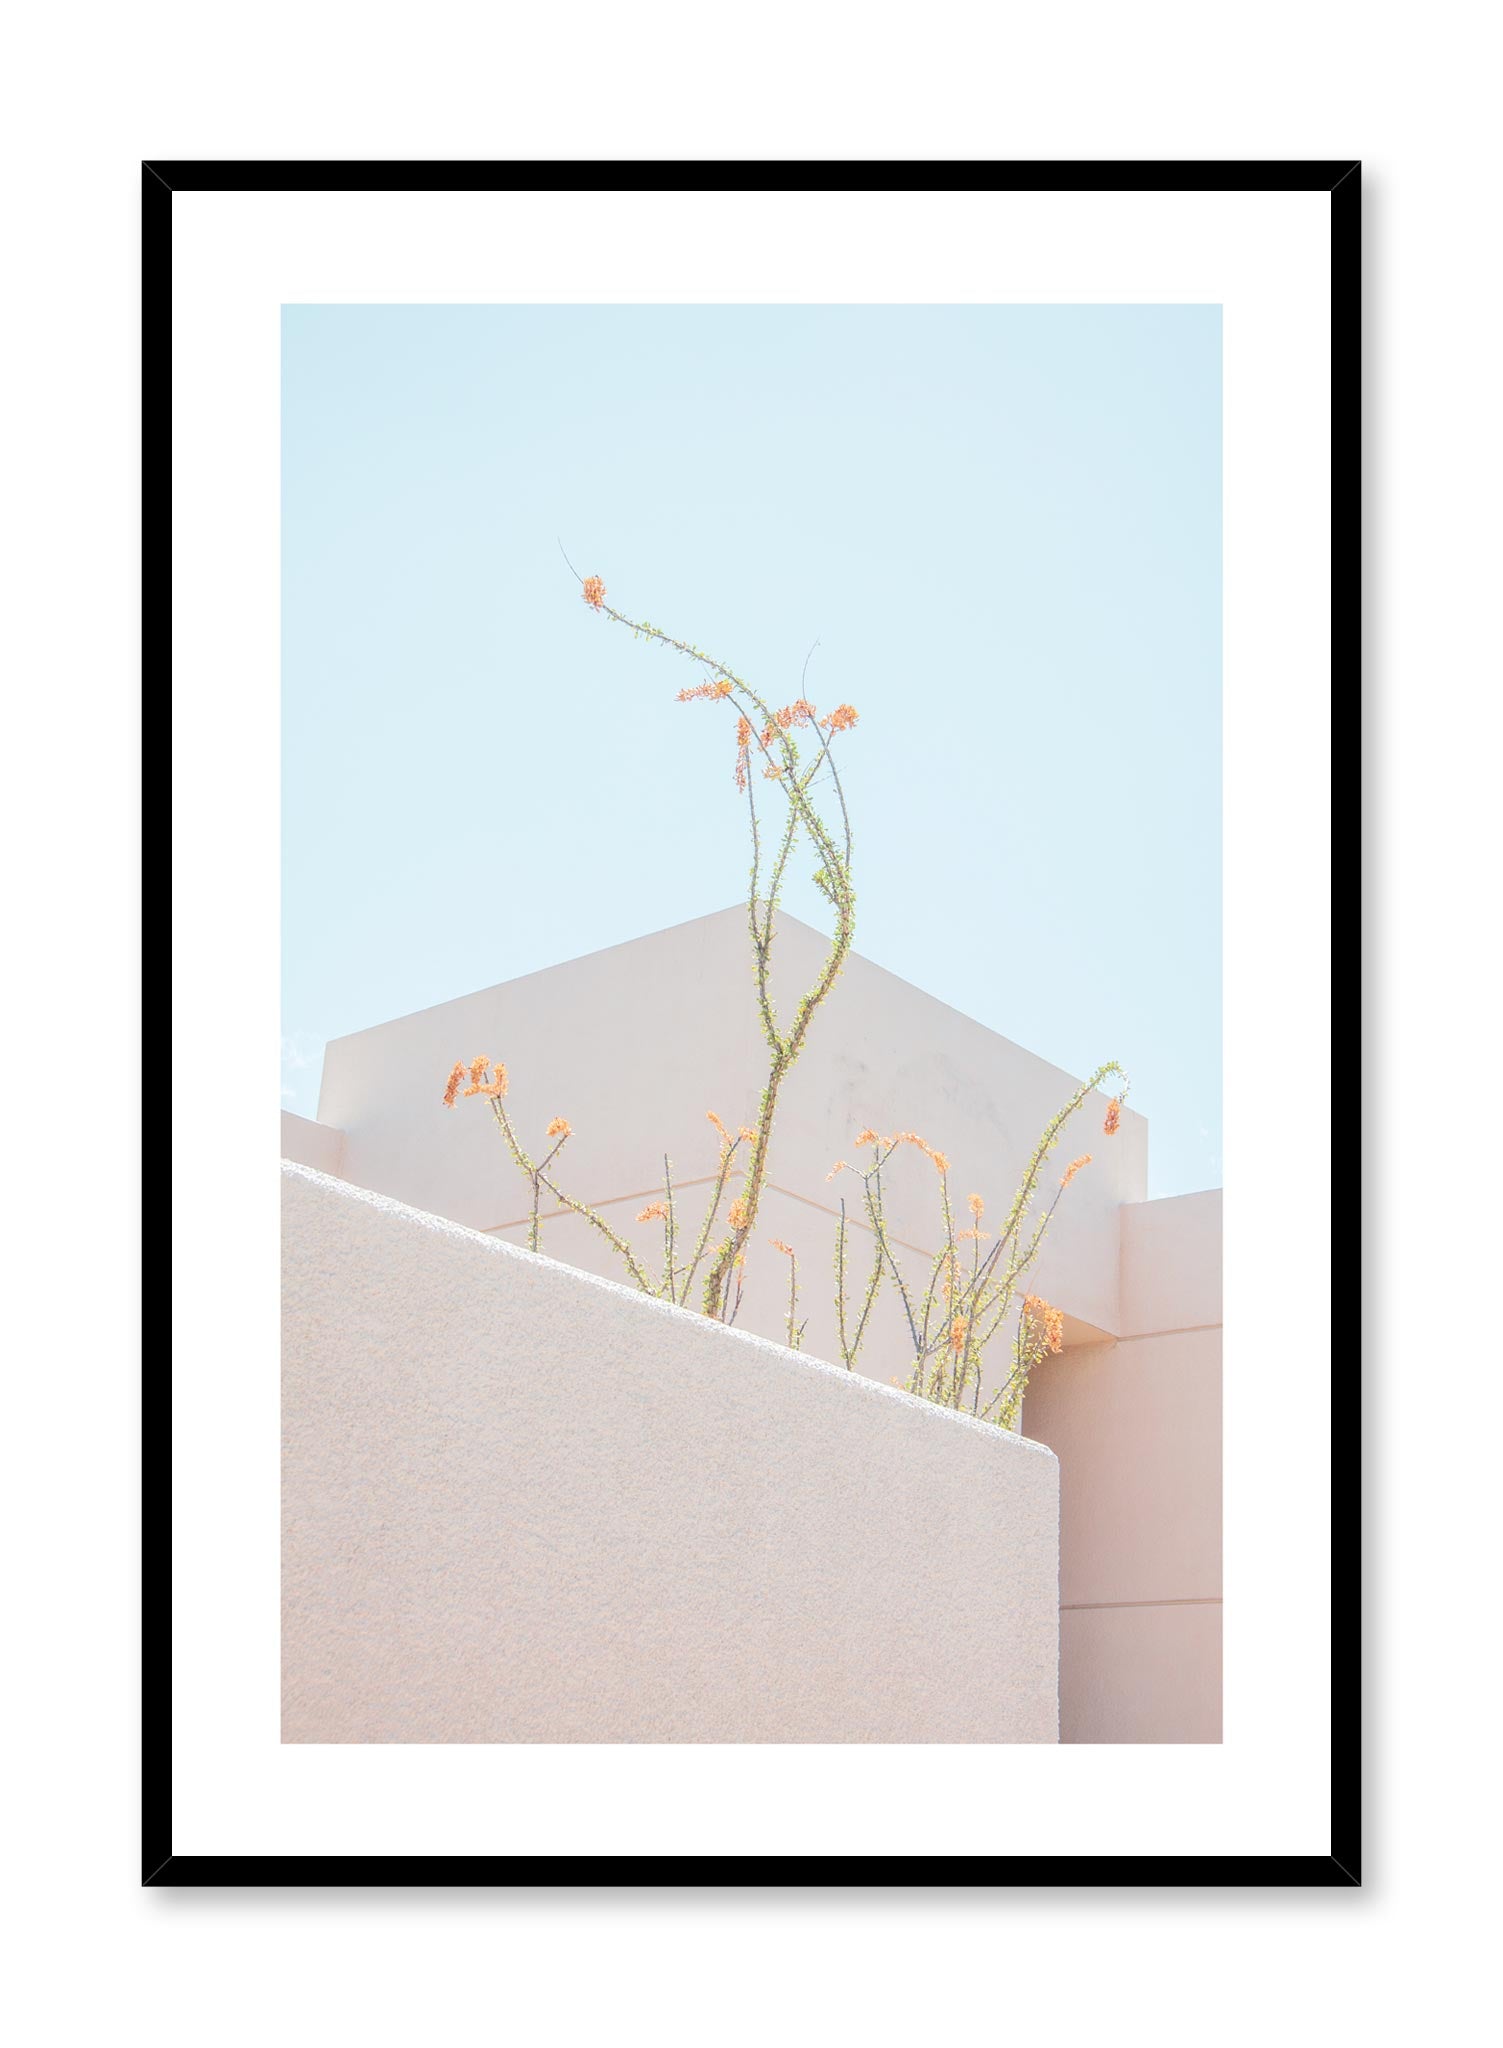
(637, 1043)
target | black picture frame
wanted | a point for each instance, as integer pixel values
(1341, 179)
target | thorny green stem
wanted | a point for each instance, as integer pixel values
(850, 1346)
(840, 1235)
(727, 1153)
(733, 1307)
(833, 879)
(872, 1286)
(793, 1339)
(618, 1244)
(668, 1226)
(879, 1228)
(532, 1169)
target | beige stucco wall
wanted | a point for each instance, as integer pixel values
(312, 1144)
(1137, 1429)
(521, 1503)
(1171, 1264)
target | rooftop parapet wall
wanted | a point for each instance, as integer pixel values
(1171, 1264)
(524, 1504)
(635, 1043)
(312, 1144)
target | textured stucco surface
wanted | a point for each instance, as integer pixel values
(524, 1504)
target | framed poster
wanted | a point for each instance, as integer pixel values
(751, 712)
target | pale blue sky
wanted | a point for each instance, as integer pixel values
(1003, 526)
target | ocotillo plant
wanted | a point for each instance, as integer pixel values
(966, 1299)
(765, 742)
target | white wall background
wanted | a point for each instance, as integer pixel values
(90, 93)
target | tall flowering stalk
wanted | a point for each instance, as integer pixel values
(968, 1293)
(796, 1328)
(765, 751)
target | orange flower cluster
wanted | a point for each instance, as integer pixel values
(779, 1246)
(655, 1212)
(560, 1128)
(773, 770)
(743, 749)
(1073, 1168)
(976, 1206)
(871, 1137)
(594, 591)
(801, 712)
(966, 1235)
(726, 1140)
(941, 1163)
(479, 1083)
(958, 1330)
(1048, 1319)
(841, 719)
(1113, 1116)
(720, 688)
(738, 1213)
